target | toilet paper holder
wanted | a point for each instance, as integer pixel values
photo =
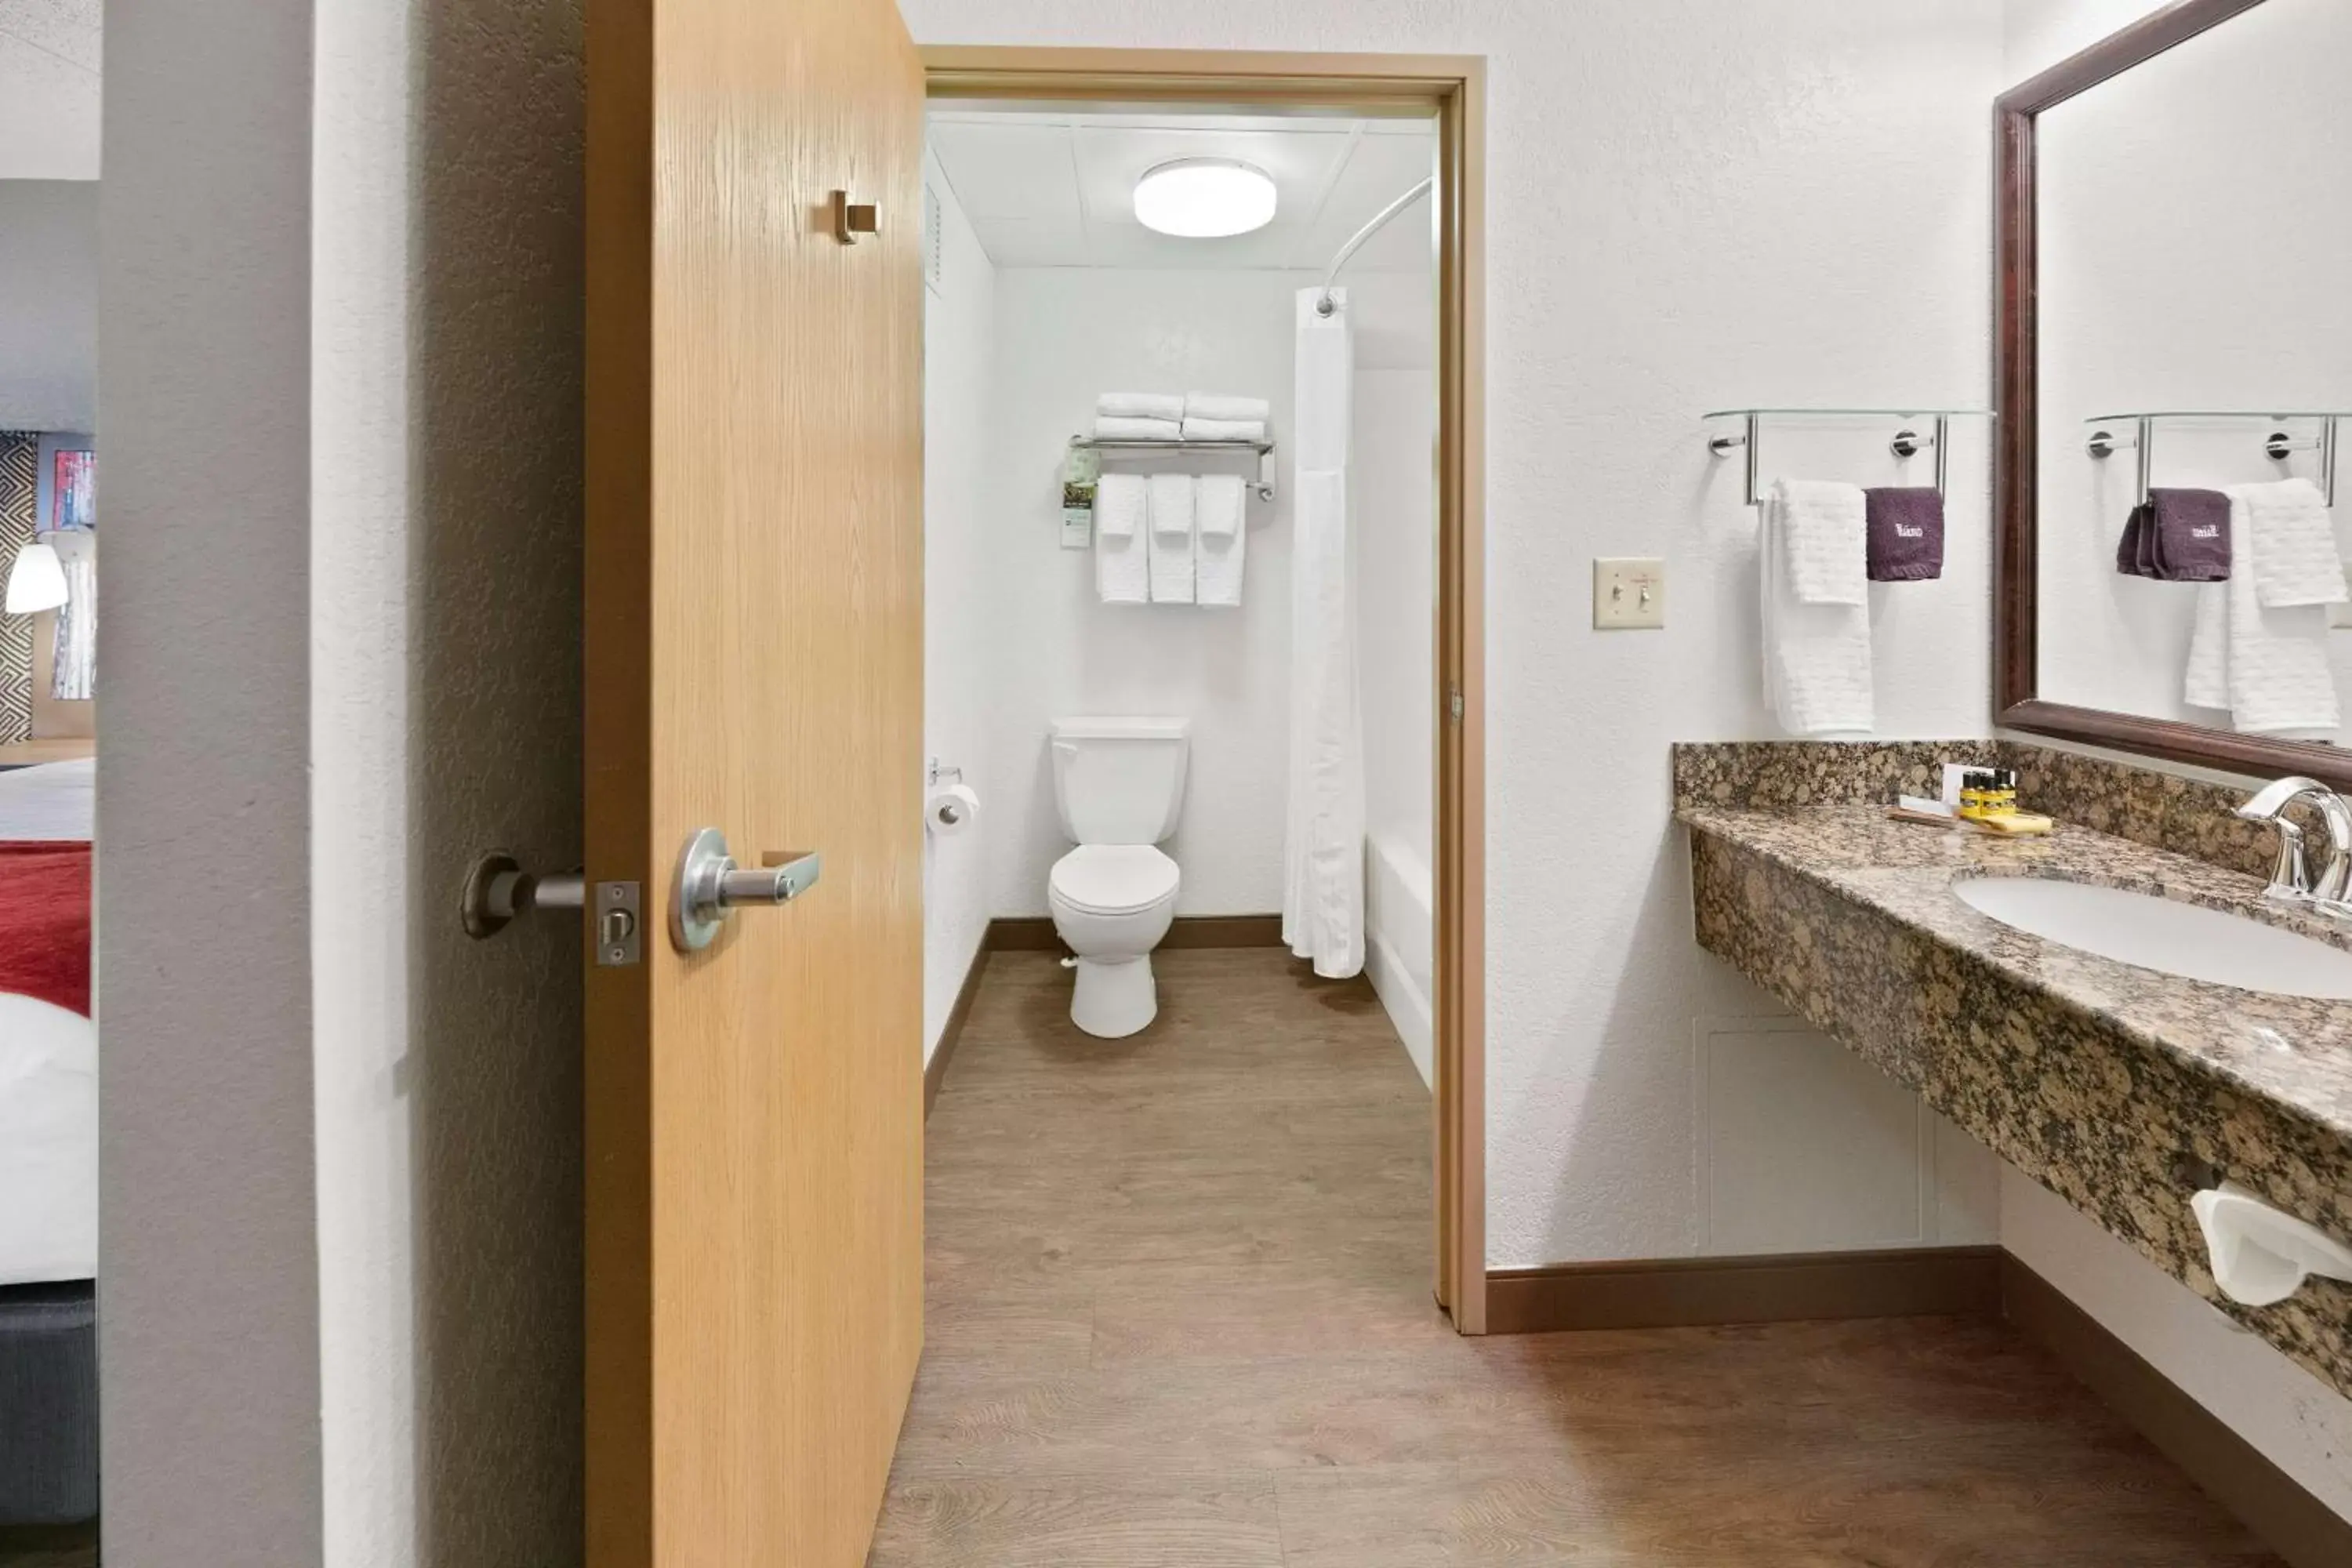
(940, 770)
(2261, 1255)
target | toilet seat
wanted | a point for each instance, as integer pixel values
(1113, 878)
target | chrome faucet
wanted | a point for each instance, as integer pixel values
(2291, 873)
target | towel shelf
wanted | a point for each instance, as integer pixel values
(1905, 442)
(1262, 451)
(2278, 445)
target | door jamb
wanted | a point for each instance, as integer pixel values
(1454, 87)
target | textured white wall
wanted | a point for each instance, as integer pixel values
(2148, 188)
(1688, 205)
(1061, 336)
(445, 716)
(208, 1337)
(2295, 1422)
(961, 622)
(49, 304)
(2038, 34)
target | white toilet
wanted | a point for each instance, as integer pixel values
(1118, 782)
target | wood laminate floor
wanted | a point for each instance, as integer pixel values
(1179, 1317)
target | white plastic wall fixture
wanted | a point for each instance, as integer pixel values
(2260, 1255)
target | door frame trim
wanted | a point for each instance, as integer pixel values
(1453, 87)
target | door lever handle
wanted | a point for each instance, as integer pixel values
(710, 886)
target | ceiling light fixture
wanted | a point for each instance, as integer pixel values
(1205, 199)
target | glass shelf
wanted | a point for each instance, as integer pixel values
(1851, 413)
(2219, 414)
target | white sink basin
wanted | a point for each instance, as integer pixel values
(2174, 938)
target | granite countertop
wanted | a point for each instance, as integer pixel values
(2292, 1053)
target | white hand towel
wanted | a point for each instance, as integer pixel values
(1199, 429)
(1215, 406)
(2295, 559)
(1108, 428)
(1817, 671)
(1825, 541)
(1140, 406)
(2268, 667)
(1122, 568)
(1171, 529)
(1122, 555)
(1119, 504)
(1219, 503)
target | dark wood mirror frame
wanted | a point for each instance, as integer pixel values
(2017, 703)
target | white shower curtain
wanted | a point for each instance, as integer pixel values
(1323, 842)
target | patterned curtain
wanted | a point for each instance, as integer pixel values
(20, 462)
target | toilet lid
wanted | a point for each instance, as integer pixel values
(1107, 878)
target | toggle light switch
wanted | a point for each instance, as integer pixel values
(1629, 593)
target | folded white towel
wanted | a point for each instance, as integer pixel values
(1218, 501)
(1119, 504)
(1825, 541)
(2268, 668)
(1108, 428)
(1171, 528)
(1199, 430)
(1216, 406)
(2295, 558)
(1140, 406)
(1122, 568)
(1217, 504)
(1816, 656)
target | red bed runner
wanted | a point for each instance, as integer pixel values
(45, 923)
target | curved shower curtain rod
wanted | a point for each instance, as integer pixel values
(1325, 306)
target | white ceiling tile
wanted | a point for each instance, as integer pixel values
(1380, 169)
(1009, 170)
(1032, 242)
(1056, 188)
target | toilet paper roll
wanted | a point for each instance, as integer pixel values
(951, 808)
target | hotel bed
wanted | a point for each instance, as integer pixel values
(48, 1148)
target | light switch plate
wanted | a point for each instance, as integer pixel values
(1629, 593)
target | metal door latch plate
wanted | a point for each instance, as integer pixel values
(620, 924)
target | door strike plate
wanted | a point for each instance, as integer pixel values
(620, 924)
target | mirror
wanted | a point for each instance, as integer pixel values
(2176, 347)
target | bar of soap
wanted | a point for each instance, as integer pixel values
(2016, 824)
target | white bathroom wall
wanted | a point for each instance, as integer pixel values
(1688, 205)
(1061, 336)
(2299, 1424)
(961, 626)
(2144, 303)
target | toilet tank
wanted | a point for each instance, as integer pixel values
(1119, 780)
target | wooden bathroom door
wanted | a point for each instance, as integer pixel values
(752, 647)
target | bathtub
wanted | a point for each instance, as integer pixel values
(1400, 929)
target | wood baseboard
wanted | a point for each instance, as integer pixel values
(2272, 1504)
(1693, 1292)
(1035, 934)
(935, 1071)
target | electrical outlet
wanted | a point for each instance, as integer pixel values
(1629, 593)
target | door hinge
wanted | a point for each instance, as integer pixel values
(1454, 703)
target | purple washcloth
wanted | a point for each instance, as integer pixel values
(1907, 533)
(2131, 550)
(2190, 535)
